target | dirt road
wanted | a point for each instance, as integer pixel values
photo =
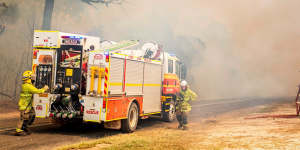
(50, 136)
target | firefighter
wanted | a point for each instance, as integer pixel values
(183, 106)
(25, 103)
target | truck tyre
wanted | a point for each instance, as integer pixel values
(129, 125)
(169, 116)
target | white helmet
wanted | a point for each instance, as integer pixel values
(183, 83)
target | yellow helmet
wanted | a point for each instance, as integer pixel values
(27, 75)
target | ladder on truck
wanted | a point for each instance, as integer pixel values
(120, 45)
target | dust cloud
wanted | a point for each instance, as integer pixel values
(231, 48)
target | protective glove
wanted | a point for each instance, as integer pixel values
(46, 87)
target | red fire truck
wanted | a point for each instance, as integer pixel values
(111, 85)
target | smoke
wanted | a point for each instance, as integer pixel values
(17, 19)
(231, 48)
(9, 13)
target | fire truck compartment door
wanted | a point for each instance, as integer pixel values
(134, 77)
(152, 88)
(41, 103)
(92, 111)
(116, 76)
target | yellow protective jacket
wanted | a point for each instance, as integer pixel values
(25, 101)
(184, 99)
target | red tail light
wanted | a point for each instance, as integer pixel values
(51, 115)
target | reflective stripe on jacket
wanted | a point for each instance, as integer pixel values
(25, 101)
(183, 100)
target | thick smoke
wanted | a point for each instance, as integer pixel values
(232, 49)
(19, 18)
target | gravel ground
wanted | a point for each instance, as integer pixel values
(50, 136)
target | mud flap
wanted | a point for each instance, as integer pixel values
(92, 111)
(41, 103)
(116, 125)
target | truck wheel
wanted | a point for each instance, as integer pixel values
(129, 125)
(170, 115)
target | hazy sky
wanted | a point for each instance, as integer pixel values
(232, 48)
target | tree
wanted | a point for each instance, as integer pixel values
(48, 11)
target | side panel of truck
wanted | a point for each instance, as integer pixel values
(117, 107)
(116, 75)
(152, 88)
(131, 80)
(93, 103)
(134, 77)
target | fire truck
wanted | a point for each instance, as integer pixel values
(111, 84)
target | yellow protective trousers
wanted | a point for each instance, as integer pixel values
(182, 118)
(26, 118)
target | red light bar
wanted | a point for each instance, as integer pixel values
(65, 37)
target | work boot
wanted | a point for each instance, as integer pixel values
(27, 131)
(21, 133)
(179, 126)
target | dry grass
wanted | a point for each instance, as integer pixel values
(161, 138)
(221, 133)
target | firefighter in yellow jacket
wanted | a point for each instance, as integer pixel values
(25, 103)
(183, 106)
